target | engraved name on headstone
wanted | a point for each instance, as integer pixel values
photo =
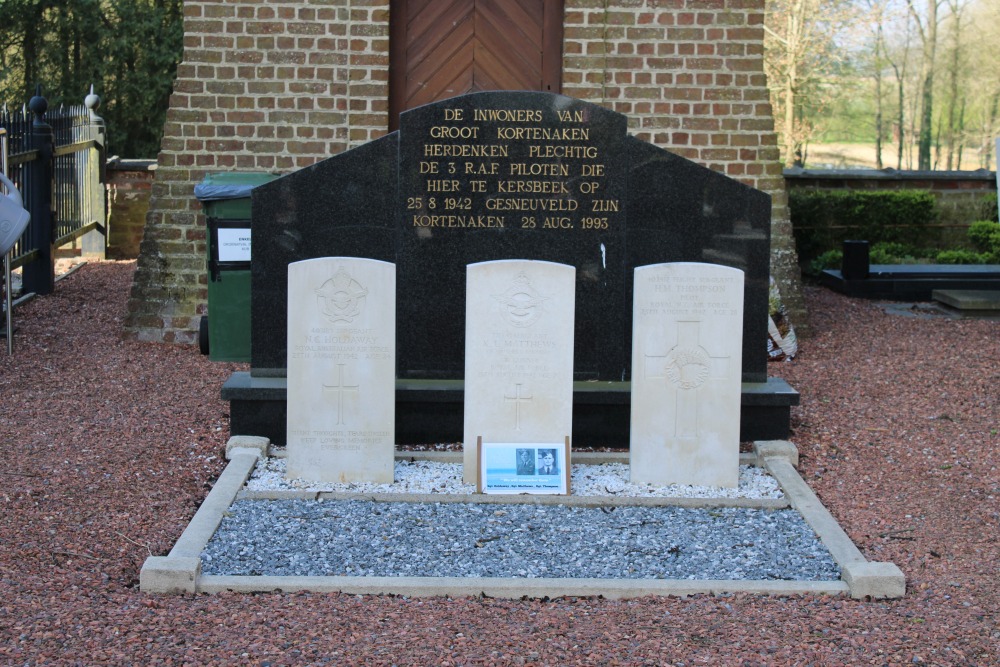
(341, 370)
(686, 348)
(518, 354)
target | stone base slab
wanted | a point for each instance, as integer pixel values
(432, 410)
(165, 574)
(876, 581)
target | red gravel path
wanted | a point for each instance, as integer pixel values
(109, 447)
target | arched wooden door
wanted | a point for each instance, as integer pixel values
(443, 48)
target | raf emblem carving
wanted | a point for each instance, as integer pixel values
(341, 298)
(520, 304)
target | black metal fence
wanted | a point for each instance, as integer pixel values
(57, 160)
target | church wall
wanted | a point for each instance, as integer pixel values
(276, 86)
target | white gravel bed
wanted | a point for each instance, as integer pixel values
(608, 479)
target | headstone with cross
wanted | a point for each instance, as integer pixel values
(341, 370)
(686, 346)
(519, 319)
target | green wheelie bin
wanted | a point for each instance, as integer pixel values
(224, 333)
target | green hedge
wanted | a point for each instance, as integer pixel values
(823, 219)
(988, 208)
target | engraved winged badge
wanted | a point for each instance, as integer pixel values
(520, 304)
(341, 298)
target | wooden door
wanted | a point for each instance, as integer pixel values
(443, 48)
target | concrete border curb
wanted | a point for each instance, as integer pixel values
(180, 571)
(783, 449)
(514, 588)
(501, 499)
(865, 579)
(260, 443)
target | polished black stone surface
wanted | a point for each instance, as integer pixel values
(546, 181)
(343, 206)
(679, 211)
(914, 282)
(507, 175)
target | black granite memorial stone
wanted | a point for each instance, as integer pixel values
(506, 175)
(342, 206)
(679, 211)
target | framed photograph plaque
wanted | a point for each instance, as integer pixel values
(519, 467)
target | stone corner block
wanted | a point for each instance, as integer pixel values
(875, 580)
(166, 574)
(260, 443)
(777, 449)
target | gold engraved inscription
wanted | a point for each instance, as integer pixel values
(538, 164)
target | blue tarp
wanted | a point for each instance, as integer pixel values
(210, 192)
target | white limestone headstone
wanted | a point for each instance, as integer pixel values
(519, 318)
(687, 342)
(341, 370)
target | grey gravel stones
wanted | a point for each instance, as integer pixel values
(365, 538)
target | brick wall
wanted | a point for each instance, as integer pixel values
(129, 185)
(280, 85)
(689, 74)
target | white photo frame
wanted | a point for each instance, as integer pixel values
(541, 468)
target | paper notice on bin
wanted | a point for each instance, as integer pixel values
(234, 245)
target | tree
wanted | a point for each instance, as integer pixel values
(892, 32)
(955, 73)
(140, 73)
(981, 83)
(800, 53)
(877, 15)
(127, 49)
(927, 29)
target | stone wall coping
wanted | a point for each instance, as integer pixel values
(796, 173)
(116, 163)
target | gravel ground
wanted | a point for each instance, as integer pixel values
(111, 445)
(608, 479)
(365, 538)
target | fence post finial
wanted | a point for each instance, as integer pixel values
(38, 104)
(92, 101)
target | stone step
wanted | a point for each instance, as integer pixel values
(967, 300)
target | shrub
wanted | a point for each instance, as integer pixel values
(823, 219)
(988, 208)
(891, 252)
(985, 236)
(960, 257)
(831, 259)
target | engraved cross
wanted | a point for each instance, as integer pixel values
(517, 398)
(339, 389)
(686, 366)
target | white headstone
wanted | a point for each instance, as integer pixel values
(519, 319)
(687, 342)
(341, 370)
